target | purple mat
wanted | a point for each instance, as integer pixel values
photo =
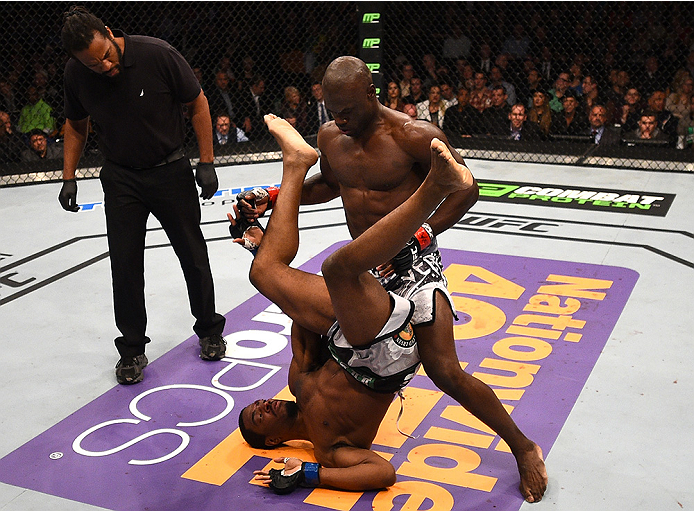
(532, 329)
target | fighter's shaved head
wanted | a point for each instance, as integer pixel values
(345, 70)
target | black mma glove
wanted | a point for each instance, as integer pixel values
(68, 195)
(421, 240)
(206, 177)
(243, 223)
(307, 475)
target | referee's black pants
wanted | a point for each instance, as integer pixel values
(169, 193)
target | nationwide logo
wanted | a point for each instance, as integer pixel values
(619, 201)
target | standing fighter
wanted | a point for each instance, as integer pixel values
(134, 89)
(374, 158)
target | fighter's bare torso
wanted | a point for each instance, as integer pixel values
(379, 170)
(338, 410)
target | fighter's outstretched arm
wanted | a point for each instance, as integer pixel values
(357, 470)
(354, 469)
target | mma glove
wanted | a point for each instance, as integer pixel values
(413, 249)
(259, 196)
(306, 475)
(206, 177)
(68, 195)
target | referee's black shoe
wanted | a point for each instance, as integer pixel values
(213, 347)
(129, 369)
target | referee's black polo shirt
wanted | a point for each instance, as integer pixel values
(138, 115)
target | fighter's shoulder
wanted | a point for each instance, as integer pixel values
(328, 130)
(411, 133)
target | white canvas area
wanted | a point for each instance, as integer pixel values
(625, 445)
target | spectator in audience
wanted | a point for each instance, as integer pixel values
(430, 71)
(497, 78)
(679, 99)
(556, 95)
(495, 117)
(8, 100)
(540, 113)
(647, 128)
(226, 133)
(317, 113)
(518, 44)
(39, 148)
(530, 85)
(247, 73)
(432, 109)
(619, 80)
(629, 112)
(407, 75)
(592, 96)
(467, 76)
(571, 121)
(11, 146)
(484, 59)
(393, 98)
(416, 94)
(448, 93)
(200, 76)
(602, 133)
(480, 96)
(685, 128)
(253, 105)
(48, 92)
(652, 77)
(411, 110)
(519, 129)
(576, 72)
(667, 122)
(462, 119)
(508, 68)
(547, 65)
(221, 97)
(293, 109)
(457, 44)
(36, 114)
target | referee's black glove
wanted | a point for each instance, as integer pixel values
(206, 177)
(68, 195)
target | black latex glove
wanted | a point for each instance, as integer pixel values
(68, 195)
(206, 177)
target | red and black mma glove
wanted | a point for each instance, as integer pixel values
(413, 249)
(306, 475)
(258, 196)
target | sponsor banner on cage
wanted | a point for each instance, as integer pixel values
(532, 329)
(577, 197)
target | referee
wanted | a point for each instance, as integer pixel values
(133, 89)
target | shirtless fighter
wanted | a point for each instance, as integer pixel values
(340, 405)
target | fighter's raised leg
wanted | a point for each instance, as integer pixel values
(300, 295)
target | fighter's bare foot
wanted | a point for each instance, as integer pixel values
(533, 474)
(446, 171)
(295, 150)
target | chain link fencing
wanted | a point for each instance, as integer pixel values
(582, 83)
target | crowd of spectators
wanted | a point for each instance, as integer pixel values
(595, 72)
(582, 84)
